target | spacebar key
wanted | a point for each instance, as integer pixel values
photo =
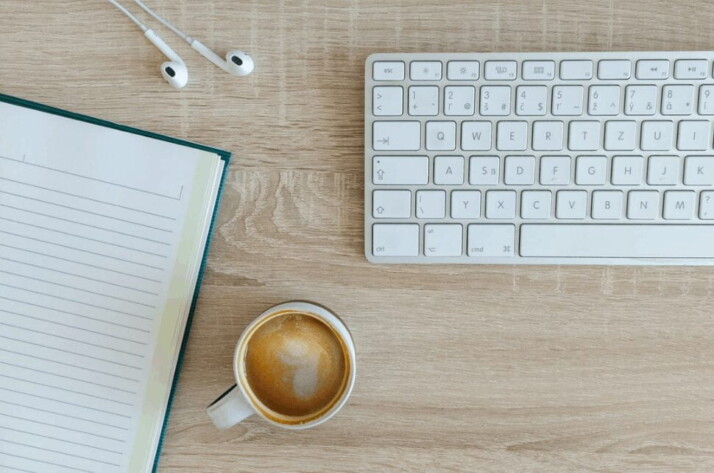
(617, 241)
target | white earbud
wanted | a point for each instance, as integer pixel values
(174, 70)
(237, 63)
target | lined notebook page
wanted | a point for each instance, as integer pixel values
(91, 224)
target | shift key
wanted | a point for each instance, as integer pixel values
(400, 170)
(396, 136)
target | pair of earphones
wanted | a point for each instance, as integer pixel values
(174, 70)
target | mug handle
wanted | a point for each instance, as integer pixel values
(230, 408)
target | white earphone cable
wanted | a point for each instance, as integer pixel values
(121, 8)
(164, 22)
(237, 63)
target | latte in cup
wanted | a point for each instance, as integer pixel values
(295, 367)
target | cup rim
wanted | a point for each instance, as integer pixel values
(327, 316)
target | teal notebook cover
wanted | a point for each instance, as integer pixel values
(224, 155)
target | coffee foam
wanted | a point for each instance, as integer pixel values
(296, 366)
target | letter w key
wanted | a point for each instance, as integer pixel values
(476, 136)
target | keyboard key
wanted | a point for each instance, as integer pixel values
(627, 170)
(617, 241)
(484, 170)
(387, 101)
(535, 204)
(677, 99)
(486, 241)
(462, 70)
(699, 170)
(423, 100)
(567, 100)
(576, 70)
(591, 170)
(531, 99)
(547, 136)
(476, 136)
(391, 204)
(679, 205)
(459, 100)
(640, 99)
(663, 170)
(512, 136)
(425, 70)
(465, 204)
(400, 170)
(388, 70)
(538, 70)
(706, 205)
(555, 170)
(395, 239)
(657, 69)
(448, 170)
(396, 136)
(706, 100)
(519, 170)
(495, 100)
(500, 204)
(694, 135)
(607, 205)
(615, 69)
(430, 204)
(620, 135)
(440, 136)
(443, 240)
(690, 69)
(604, 100)
(571, 205)
(656, 135)
(584, 136)
(500, 70)
(642, 205)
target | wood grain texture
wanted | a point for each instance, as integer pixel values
(461, 369)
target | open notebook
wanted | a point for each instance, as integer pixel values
(103, 233)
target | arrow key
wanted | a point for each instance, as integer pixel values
(391, 204)
(443, 240)
(387, 101)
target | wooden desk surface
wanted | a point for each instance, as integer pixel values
(473, 369)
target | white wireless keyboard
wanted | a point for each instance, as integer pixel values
(540, 158)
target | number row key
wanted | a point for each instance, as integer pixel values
(532, 100)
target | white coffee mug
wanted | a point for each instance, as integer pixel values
(237, 404)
